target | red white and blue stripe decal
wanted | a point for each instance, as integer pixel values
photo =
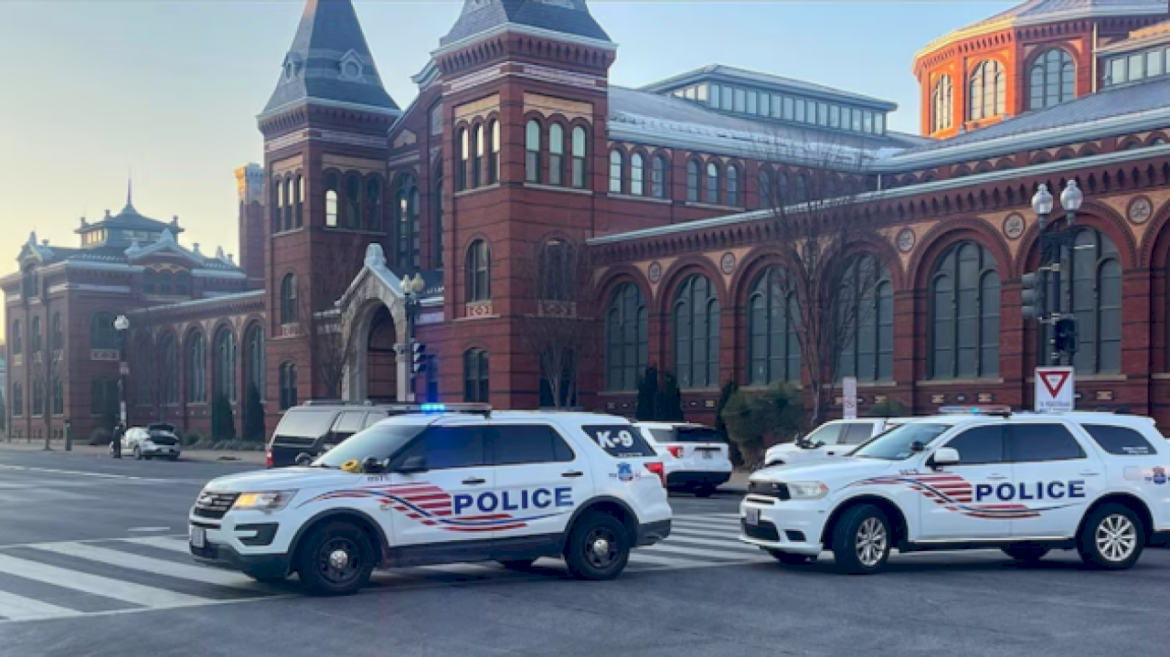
(956, 494)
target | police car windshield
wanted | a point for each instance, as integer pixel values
(895, 444)
(380, 441)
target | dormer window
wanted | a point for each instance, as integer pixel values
(292, 65)
(351, 66)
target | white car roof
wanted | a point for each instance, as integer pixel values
(670, 425)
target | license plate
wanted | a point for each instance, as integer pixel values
(707, 454)
(753, 516)
(198, 537)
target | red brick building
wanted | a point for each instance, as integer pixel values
(518, 151)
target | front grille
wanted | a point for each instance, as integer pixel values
(769, 489)
(765, 531)
(214, 505)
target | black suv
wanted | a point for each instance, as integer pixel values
(315, 427)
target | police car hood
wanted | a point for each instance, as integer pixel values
(281, 479)
(826, 469)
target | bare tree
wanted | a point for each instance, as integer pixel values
(148, 367)
(561, 330)
(820, 225)
(46, 357)
(320, 319)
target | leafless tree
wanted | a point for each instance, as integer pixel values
(561, 329)
(45, 359)
(148, 369)
(332, 349)
(820, 225)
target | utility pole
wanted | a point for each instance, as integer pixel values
(1045, 292)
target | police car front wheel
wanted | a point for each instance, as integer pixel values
(336, 558)
(1112, 537)
(862, 540)
(598, 547)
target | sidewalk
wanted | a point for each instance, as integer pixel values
(738, 482)
(202, 455)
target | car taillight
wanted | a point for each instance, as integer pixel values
(675, 450)
(657, 469)
(268, 457)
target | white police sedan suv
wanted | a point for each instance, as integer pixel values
(443, 487)
(1025, 483)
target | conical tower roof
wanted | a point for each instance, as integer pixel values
(568, 17)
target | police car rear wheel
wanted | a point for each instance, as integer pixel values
(862, 540)
(1026, 553)
(1112, 538)
(598, 548)
(335, 559)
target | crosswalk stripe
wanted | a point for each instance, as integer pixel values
(101, 586)
(18, 607)
(639, 557)
(695, 552)
(163, 542)
(193, 573)
(724, 543)
(688, 531)
(706, 526)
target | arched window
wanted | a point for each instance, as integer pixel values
(579, 150)
(373, 203)
(289, 202)
(463, 157)
(17, 346)
(225, 365)
(713, 184)
(146, 372)
(169, 393)
(165, 283)
(696, 333)
(800, 195)
(626, 338)
(477, 158)
(1095, 293)
(17, 399)
(558, 271)
(102, 334)
(479, 272)
(254, 373)
(988, 90)
(658, 177)
(765, 189)
(58, 396)
(197, 369)
(616, 165)
(493, 167)
(277, 205)
(867, 312)
(406, 221)
(964, 314)
(300, 201)
(556, 154)
(773, 324)
(637, 175)
(149, 282)
(692, 181)
(353, 201)
(532, 152)
(288, 299)
(38, 398)
(476, 376)
(438, 211)
(943, 104)
(733, 185)
(183, 284)
(35, 335)
(332, 187)
(783, 191)
(57, 334)
(1053, 79)
(288, 385)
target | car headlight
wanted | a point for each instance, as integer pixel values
(270, 501)
(807, 490)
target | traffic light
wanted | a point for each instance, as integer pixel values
(1066, 335)
(419, 356)
(1032, 296)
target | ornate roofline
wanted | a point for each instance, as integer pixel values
(518, 28)
(323, 102)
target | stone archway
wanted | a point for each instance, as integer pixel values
(373, 316)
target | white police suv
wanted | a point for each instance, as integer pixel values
(442, 487)
(980, 478)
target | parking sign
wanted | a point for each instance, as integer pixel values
(1054, 389)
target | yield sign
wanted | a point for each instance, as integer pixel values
(1054, 388)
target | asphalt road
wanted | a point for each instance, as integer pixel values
(115, 528)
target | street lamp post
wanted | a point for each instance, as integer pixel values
(122, 325)
(1055, 243)
(412, 289)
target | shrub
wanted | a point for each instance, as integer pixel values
(253, 415)
(647, 395)
(669, 404)
(729, 389)
(192, 438)
(223, 421)
(99, 436)
(753, 419)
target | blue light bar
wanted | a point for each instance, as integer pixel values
(434, 408)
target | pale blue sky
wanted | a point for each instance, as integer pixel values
(170, 90)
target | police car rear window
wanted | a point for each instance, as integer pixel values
(697, 435)
(298, 423)
(619, 440)
(1121, 441)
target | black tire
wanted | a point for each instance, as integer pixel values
(137, 453)
(1026, 553)
(789, 559)
(862, 540)
(518, 564)
(705, 490)
(1103, 540)
(589, 560)
(324, 574)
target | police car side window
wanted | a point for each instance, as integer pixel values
(856, 433)
(1042, 442)
(979, 446)
(519, 444)
(450, 447)
(1121, 441)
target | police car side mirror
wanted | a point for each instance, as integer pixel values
(412, 465)
(945, 456)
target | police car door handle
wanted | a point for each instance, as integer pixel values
(1089, 473)
(996, 478)
(573, 473)
(474, 481)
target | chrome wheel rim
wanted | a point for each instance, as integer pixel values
(871, 542)
(1116, 538)
(601, 548)
(339, 561)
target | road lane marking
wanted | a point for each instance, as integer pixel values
(697, 552)
(690, 531)
(176, 543)
(19, 608)
(132, 561)
(102, 586)
(728, 543)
